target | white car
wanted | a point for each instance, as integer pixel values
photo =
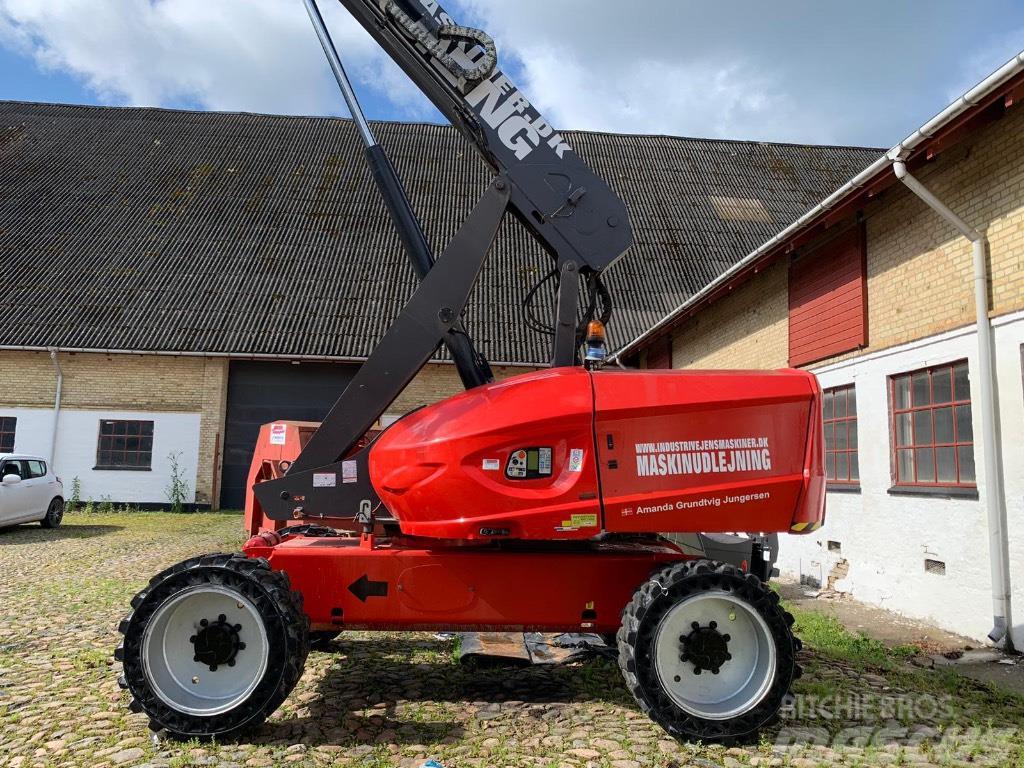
(29, 491)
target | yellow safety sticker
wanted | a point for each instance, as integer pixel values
(583, 521)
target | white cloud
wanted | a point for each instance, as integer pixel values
(788, 70)
(592, 65)
(253, 55)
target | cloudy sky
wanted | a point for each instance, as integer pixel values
(816, 71)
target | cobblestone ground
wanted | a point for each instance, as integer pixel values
(397, 699)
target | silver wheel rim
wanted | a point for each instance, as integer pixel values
(168, 654)
(742, 681)
(56, 512)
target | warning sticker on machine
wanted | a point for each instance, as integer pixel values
(277, 434)
(349, 471)
(324, 479)
(575, 522)
(492, 465)
(576, 460)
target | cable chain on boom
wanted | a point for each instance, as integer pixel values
(438, 46)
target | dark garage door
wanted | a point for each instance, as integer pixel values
(261, 392)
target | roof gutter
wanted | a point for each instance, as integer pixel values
(991, 457)
(882, 164)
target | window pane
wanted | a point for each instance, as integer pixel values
(943, 425)
(903, 429)
(905, 466)
(922, 394)
(842, 466)
(925, 458)
(851, 401)
(922, 427)
(964, 429)
(962, 382)
(147, 428)
(826, 405)
(966, 455)
(829, 440)
(841, 435)
(839, 403)
(942, 385)
(854, 466)
(830, 466)
(901, 387)
(946, 462)
(852, 429)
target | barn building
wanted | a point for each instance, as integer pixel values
(912, 317)
(174, 279)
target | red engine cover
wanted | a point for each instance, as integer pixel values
(677, 451)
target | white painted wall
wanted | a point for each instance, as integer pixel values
(77, 436)
(886, 538)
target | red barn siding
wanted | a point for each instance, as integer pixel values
(827, 299)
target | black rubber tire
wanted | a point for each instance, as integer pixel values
(321, 640)
(636, 636)
(54, 513)
(287, 629)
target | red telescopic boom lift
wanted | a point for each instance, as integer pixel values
(576, 498)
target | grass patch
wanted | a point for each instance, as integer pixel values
(827, 636)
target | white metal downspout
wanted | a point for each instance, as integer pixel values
(995, 500)
(56, 403)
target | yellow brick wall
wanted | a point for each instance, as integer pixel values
(748, 329)
(919, 270)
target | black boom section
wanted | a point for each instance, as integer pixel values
(412, 337)
(569, 209)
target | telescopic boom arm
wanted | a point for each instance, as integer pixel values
(573, 214)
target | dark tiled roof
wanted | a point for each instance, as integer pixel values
(161, 230)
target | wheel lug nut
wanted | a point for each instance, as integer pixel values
(203, 623)
(713, 625)
(714, 671)
(213, 667)
(728, 656)
(192, 639)
(231, 663)
(696, 670)
(726, 638)
(238, 627)
(241, 646)
(677, 678)
(695, 625)
(222, 619)
(195, 658)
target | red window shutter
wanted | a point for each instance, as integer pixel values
(659, 355)
(828, 299)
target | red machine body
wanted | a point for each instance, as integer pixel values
(621, 451)
(538, 481)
